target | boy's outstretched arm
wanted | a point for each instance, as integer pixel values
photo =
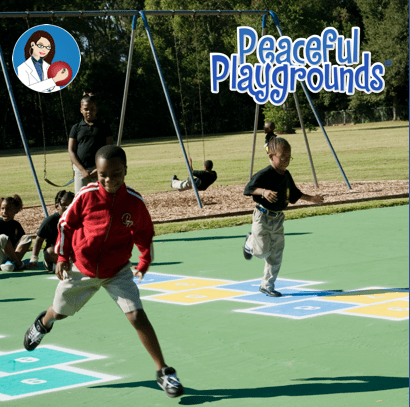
(318, 199)
(142, 235)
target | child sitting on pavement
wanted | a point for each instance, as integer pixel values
(272, 189)
(203, 178)
(48, 231)
(94, 245)
(14, 243)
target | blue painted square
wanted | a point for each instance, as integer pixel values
(302, 309)
(253, 285)
(41, 380)
(38, 358)
(288, 295)
(282, 283)
(151, 278)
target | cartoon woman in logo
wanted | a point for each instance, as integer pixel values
(39, 53)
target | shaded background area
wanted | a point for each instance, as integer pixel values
(104, 46)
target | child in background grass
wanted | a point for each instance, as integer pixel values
(48, 231)
(14, 243)
(272, 189)
(95, 241)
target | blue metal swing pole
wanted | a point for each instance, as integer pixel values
(20, 126)
(127, 79)
(164, 86)
(276, 21)
(255, 124)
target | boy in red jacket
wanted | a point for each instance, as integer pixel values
(95, 240)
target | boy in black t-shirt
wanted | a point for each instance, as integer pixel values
(203, 179)
(48, 231)
(272, 189)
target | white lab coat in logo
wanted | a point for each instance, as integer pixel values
(27, 74)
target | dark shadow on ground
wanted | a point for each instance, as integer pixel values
(14, 274)
(192, 239)
(372, 291)
(169, 263)
(329, 385)
(17, 299)
(329, 293)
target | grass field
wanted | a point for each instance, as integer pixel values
(367, 152)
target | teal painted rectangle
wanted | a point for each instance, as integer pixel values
(39, 358)
(43, 380)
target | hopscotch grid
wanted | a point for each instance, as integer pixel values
(64, 366)
(88, 356)
(356, 314)
(255, 311)
(102, 377)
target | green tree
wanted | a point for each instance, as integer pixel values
(386, 24)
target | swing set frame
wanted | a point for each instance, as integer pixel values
(135, 14)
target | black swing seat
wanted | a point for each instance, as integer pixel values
(58, 186)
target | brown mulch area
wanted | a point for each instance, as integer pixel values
(229, 200)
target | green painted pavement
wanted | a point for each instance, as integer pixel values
(232, 358)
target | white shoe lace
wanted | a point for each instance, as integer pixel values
(34, 335)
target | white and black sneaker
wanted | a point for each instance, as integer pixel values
(247, 253)
(35, 333)
(167, 379)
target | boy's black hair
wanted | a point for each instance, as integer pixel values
(61, 195)
(89, 97)
(208, 164)
(275, 143)
(110, 151)
(15, 200)
(269, 127)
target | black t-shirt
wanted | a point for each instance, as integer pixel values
(268, 178)
(49, 229)
(268, 137)
(13, 230)
(207, 178)
(89, 140)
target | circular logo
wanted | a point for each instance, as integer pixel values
(46, 58)
(388, 62)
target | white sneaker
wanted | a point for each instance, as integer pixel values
(7, 266)
(167, 379)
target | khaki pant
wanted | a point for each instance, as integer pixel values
(185, 184)
(267, 242)
(80, 181)
(3, 241)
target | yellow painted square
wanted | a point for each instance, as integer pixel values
(196, 296)
(393, 310)
(184, 284)
(368, 298)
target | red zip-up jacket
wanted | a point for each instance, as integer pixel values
(98, 231)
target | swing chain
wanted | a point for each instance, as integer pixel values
(180, 90)
(44, 135)
(199, 87)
